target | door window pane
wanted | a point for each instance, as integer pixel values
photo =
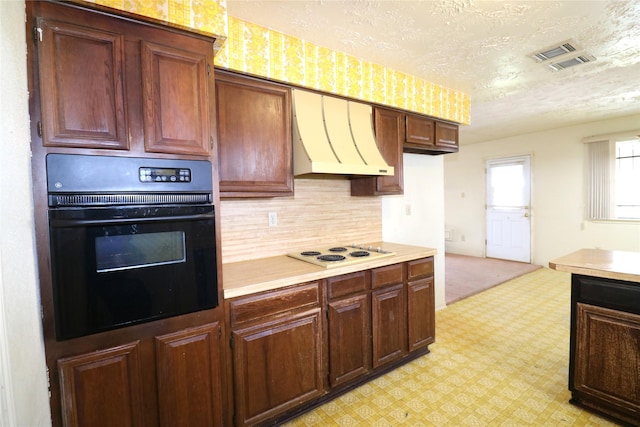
(507, 184)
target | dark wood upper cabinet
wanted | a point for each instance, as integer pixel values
(419, 131)
(81, 86)
(254, 137)
(109, 83)
(398, 132)
(446, 136)
(389, 130)
(424, 135)
(175, 93)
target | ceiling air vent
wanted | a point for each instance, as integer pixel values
(550, 52)
(572, 62)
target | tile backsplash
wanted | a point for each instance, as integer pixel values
(321, 213)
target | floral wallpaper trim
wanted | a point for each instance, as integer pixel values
(260, 51)
(206, 16)
(257, 50)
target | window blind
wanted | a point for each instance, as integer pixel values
(599, 180)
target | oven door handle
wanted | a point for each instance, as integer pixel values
(112, 221)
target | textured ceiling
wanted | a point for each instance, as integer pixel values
(483, 48)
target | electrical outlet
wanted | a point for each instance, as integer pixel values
(407, 209)
(273, 219)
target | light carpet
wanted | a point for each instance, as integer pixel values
(466, 275)
(500, 358)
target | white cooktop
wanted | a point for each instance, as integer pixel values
(349, 253)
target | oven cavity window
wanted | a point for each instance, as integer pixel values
(128, 251)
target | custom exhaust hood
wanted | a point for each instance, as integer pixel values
(334, 136)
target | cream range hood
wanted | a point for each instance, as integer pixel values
(334, 136)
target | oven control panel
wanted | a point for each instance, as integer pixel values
(164, 174)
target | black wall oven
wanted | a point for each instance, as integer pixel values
(132, 240)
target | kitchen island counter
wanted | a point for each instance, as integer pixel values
(264, 274)
(618, 265)
(604, 357)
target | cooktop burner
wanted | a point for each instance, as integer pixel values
(331, 258)
(337, 256)
(360, 253)
(310, 253)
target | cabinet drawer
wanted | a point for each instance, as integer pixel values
(614, 294)
(389, 275)
(274, 302)
(419, 269)
(347, 284)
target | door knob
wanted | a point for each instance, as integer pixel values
(526, 214)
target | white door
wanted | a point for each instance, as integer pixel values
(508, 203)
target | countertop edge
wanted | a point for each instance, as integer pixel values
(616, 265)
(249, 277)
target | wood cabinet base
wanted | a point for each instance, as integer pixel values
(604, 367)
(619, 417)
(298, 347)
(345, 388)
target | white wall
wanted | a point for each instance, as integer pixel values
(558, 193)
(24, 399)
(423, 192)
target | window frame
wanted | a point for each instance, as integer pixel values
(600, 176)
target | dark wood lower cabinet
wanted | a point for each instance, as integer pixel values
(278, 351)
(388, 325)
(421, 322)
(348, 327)
(349, 339)
(103, 387)
(300, 346)
(190, 377)
(278, 366)
(107, 387)
(604, 368)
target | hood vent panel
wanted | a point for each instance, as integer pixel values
(334, 136)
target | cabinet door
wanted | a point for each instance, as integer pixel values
(254, 137)
(189, 374)
(175, 104)
(447, 136)
(277, 366)
(388, 324)
(420, 313)
(349, 339)
(103, 388)
(81, 86)
(389, 129)
(419, 130)
(607, 359)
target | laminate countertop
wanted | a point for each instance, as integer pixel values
(248, 277)
(618, 265)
